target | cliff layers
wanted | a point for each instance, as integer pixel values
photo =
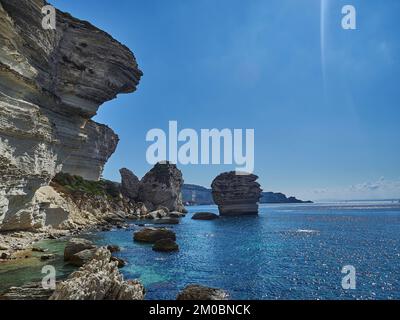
(236, 194)
(159, 188)
(51, 83)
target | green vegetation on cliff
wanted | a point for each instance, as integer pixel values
(72, 184)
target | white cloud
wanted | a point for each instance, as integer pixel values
(371, 190)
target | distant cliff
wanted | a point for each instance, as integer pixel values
(272, 197)
(197, 195)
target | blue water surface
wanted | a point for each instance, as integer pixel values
(287, 252)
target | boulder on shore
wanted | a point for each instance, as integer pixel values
(120, 262)
(165, 245)
(113, 248)
(152, 235)
(80, 258)
(198, 292)
(76, 245)
(99, 279)
(236, 193)
(204, 216)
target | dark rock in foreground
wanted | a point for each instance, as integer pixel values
(236, 194)
(152, 235)
(205, 216)
(198, 292)
(165, 245)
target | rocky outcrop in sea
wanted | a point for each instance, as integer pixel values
(236, 194)
(52, 83)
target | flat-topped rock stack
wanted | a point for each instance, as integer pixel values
(236, 194)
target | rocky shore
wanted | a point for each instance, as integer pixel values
(52, 154)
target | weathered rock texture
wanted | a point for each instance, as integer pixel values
(161, 187)
(198, 292)
(129, 184)
(236, 194)
(51, 83)
(30, 291)
(99, 279)
(152, 235)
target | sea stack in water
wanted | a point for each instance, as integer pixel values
(236, 193)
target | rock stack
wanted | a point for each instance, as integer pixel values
(159, 188)
(236, 194)
(129, 184)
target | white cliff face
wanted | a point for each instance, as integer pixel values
(51, 83)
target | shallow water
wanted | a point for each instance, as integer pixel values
(287, 252)
(22, 271)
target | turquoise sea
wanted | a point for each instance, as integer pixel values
(287, 252)
(294, 251)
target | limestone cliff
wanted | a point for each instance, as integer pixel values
(51, 83)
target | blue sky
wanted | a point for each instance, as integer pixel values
(326, 126)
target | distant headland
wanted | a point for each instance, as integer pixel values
(193, 195)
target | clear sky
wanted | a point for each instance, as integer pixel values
(324, 102)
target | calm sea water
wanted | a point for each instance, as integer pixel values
(287, 252)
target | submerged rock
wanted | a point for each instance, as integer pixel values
(198, 292)
(47, 257)
(99, 279)
(204, 216)
(152, 235)
(165, 245)
(236, 193)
